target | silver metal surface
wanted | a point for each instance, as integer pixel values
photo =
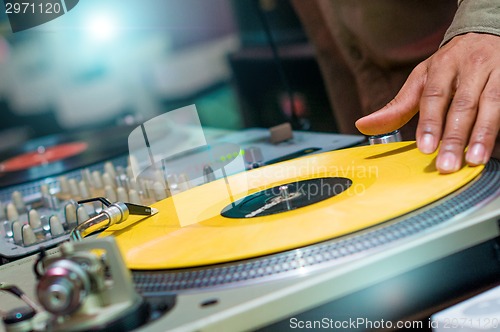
(394, 136)
(63, 287)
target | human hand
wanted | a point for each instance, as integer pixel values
(457, 91)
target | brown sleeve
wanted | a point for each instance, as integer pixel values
(475, 16)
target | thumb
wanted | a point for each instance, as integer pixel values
(398, 111)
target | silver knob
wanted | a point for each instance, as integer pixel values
(394, 136)
(63, 288)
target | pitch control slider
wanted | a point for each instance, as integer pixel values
(113, 213)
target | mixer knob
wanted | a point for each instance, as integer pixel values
(394, 136)
(121, 194)
(134, 185)
(109, 168)
(130, 173)
(56, 227)
(134, 197)
(84, 190)
(70, 215)
(17, 233)
(208, 174)
(73, 188)
(64, 185)
(34, 219)
(44, 190)
(159, 191)
(17, 199)
(86, 176)
(50, 201)
(145, 185)
(29, 237)
(108, 180)
(172, 183)
(109, 193)
(12, 214)
(97, 180)
(82, 214)
(122, 181)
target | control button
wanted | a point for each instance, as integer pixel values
(109, 168)
(97, 180)
(159, 191)
(82, 214)
(34, 219)
(29, 237)
(134, 197)
(17, 233)
(208, 174)
(63, 185)
(73, 188)
(56, 227)
(17, 199)
(394, 136)
(109, 193)
(84, 190)
(107, 180)
(121, 195)
(12, 214)
(70, 215)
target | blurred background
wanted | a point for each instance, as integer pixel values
(109, 62)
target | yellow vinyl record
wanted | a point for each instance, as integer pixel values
(375, 184)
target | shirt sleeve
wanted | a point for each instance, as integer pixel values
(475, 16)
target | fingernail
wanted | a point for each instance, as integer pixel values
(475, 155)
(427, 144)
(447, 163)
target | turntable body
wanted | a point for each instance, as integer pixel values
(392, 263)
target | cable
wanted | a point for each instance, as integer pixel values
(294, 120)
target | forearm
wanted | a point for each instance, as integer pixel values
(475, 16)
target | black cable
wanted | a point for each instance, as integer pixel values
(279, 65)
(37, 269)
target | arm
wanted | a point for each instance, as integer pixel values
(456, 90)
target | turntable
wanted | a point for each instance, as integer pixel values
(41, 181)
(359, 234)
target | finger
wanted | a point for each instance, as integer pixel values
(462, 114)
(482, 139)
(434, 103)
(399, 110)
(459, 121)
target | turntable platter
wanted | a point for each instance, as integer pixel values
(388, 181)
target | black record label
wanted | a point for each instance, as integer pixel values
(286, 197)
